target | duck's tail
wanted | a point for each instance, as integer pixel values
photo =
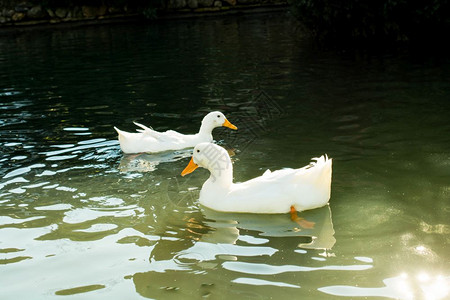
(320, 170)
(121, 134)
(314, 183)
(121, 137)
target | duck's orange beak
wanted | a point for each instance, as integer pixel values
(229, 125)
(190, 167)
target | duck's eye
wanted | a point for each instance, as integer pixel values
(198, 151)
(218, 116)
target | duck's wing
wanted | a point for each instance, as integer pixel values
(145, 129)
(169, 136)
(268, 180)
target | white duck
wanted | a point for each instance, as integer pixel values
(151, 141)
(282, 191)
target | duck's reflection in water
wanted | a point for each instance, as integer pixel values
(191, 263)
(147, 162)
(320, 233)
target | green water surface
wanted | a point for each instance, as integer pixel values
(80, 220)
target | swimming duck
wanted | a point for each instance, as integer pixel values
(152, 141)
(281, 191)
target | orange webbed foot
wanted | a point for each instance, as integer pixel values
(300, 221)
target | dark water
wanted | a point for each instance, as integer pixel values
(78, 218)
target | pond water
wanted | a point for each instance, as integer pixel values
(81, 220)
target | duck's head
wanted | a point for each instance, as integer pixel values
(211, 157)
(216, 119)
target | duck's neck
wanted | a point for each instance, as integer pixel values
(206, 130)
(221, 172)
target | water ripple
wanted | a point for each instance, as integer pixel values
(202, 251)
(265, 269)
(23, 170)
(256, 282)
(95, 144)
(81, 215)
